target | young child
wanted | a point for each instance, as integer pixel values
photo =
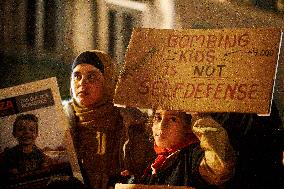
(25, 156)
(192, 150)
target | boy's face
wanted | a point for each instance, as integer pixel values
(26, 132)
(87, 84)
(168, 128)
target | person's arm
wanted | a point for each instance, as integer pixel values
(217, 166)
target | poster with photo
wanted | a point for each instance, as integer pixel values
(35, 146)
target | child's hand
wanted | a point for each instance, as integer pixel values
(197, 115)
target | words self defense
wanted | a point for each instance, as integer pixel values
(201, 50)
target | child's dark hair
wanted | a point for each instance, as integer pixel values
(30, 117)
(187, 118)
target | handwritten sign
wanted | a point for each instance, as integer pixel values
(140, 186)
(216, 70)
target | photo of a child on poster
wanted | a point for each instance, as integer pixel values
(25, 156)
(33, 145)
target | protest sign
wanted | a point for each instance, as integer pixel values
(35, 145)
(213, 70)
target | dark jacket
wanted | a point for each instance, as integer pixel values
(203, 165)
(182, 169)
(15, 159)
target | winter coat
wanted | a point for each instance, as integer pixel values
(203, 165)
(126, 145)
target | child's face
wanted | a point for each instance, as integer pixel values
(168, 128)
(26, 132)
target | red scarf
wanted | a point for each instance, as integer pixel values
(164, 153)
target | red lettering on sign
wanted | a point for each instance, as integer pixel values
(242, 91)
(230, 91)
(218, 91)
(178, 86)
(6, 105)
(215, 91)
(173, 40)
(189, 90)
(209, 41)
(198, 90)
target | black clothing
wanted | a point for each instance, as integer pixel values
(15, 158)
(182, 169)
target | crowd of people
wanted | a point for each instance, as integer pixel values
(125, 145)
(217, 150)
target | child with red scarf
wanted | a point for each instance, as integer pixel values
(192, 150)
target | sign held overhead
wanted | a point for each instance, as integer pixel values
(213, 70)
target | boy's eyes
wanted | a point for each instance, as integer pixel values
(19, 129)
(171, 118)
(77, 76)
(91, 77)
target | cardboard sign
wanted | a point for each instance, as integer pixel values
(140, 186)
(216, 70)
(52, 154)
